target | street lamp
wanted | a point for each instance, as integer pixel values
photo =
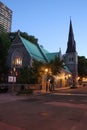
(46, 83)
(46, 70)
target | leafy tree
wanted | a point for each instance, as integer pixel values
(82, 66)
(56, 65)
(4, 46)
(23, 76)
(31, 75)
(31, 38)
(36, 71)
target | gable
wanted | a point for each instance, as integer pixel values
(17, 40)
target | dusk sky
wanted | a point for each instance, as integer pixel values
(48, 20)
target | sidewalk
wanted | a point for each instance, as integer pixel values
(38, 92)
(4, 126)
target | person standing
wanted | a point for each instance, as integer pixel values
(52, 84)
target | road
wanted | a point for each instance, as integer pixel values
(62, 110)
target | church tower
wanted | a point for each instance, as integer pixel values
(71, 54)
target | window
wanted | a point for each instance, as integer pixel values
(70, 59)
(16, 59)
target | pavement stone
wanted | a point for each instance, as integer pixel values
(12, 97)
(4, 126)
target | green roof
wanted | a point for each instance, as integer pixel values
(51, 56)
(45, 52)
(33, 49)
(39, 53)
(48, 55)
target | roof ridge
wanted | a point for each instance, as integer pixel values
(42, 53)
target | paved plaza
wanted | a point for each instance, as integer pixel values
(64, 110)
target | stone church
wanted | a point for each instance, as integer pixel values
(22, 52)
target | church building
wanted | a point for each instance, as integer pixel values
(22, 52)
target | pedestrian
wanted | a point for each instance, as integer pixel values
(52, 84)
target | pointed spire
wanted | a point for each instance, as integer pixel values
(60, 54)
(71, 47)
(71, 31)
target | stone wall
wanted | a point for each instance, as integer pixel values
(18, 87)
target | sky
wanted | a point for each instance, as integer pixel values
(48, 20)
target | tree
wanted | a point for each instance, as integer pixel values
(23, 76)
(30, 38)
(56, 65)
(31, 75)
(4, 46)
(82, 66)
(36, 71)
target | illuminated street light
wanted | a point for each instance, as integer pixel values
(46, 70)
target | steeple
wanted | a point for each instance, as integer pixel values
(71, 45)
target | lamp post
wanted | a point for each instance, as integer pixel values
(46, 70)
(45, 79)
(46, 85)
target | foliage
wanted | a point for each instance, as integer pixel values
(56, 65)
(82, 66)
(23, 76)
(31, 38)
(4, 46)
(31, 75)
(36, 71)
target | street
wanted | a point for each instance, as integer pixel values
(61, 110)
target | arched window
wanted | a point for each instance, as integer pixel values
(16, 59)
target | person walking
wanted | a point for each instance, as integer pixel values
(52, 84)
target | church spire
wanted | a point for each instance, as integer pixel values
(71, 45)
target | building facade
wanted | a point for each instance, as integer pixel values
(5, 18)
(22, 52)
